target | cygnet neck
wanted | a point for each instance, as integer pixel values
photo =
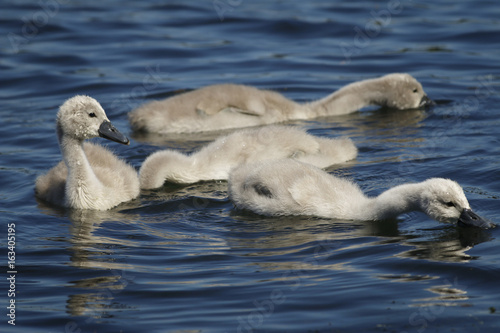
(350, 98)
(80, 173)
(168, 166)
(393, 202)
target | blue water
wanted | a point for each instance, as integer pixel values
(180, 259)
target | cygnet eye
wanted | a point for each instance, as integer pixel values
(415, 90)
(92, 115)
(450, 204)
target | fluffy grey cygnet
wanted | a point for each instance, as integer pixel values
(215, 160)
(228, 106)
(89, 176)
(288, 187)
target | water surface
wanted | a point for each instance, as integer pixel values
(182, 259)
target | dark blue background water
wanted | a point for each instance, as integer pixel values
(180, 259)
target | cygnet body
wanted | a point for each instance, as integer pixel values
(288, 187)
(227, 106)
(214, 161)
(89, 176)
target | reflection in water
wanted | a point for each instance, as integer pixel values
(447, 295)
(319, 246)
(90, 251)
(94, 253)
(285, 235)
(449, 245)
(99, 302)
(198, 195)
(384, 122)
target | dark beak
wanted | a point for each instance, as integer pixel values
(108, 131)
(470, 219)
(425, 101)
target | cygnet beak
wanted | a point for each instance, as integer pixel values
(470, 219)
(108, 131)
(425, 101)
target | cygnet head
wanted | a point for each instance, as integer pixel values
(82, 117)
(444, 200)
(404, 92)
